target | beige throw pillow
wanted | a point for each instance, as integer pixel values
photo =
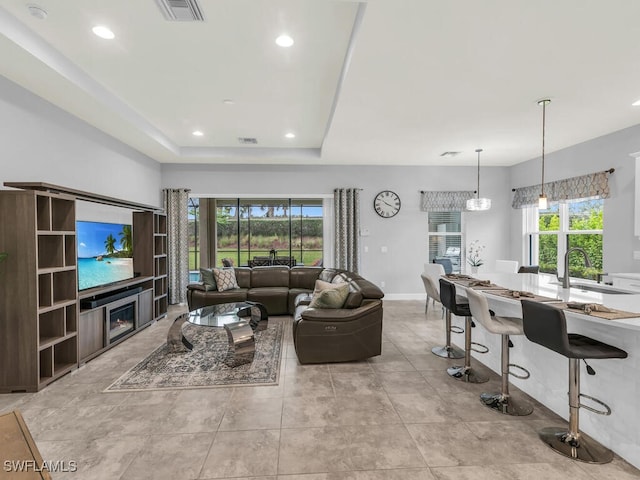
(225, 279)
(329, 295)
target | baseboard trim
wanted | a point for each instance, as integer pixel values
(405, 296)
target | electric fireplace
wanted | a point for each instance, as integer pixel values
(121, 320)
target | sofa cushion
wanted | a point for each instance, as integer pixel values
(208, 279)
(367, 288)
(328, 295)
(298, 296)
(269, 277)
(274, 299)
(304, 277)
(199, 298)
(243, 277)
(225, 279)
(327, 274)
(354, 299)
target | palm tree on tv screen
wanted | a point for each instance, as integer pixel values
(110, 244)
(125, 238)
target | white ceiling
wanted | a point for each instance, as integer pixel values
(378, 82)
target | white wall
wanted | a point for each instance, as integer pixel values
(42, 143)
(602, 153)
(404, 235)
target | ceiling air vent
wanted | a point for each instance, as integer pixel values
(181, 10)
(248, 140)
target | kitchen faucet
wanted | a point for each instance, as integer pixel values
(587, 263)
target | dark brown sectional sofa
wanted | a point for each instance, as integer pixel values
(353, 332)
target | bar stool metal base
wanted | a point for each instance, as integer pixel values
(466, 374)
(505, 405)
(448, 352)
(582, 448)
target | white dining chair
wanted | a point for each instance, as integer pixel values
(506, 266)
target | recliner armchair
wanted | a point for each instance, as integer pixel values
(322, 335)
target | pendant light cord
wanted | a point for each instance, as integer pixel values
(478, 150)
(544, 111)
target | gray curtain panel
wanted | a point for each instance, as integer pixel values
(175, 204)
(347, 227)
(445, 201)
(592, 185)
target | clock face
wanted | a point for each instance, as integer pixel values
(387, 204)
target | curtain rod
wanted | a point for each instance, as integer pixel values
(428, 191)
(610, 171)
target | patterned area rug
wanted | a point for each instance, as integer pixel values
(204, 366)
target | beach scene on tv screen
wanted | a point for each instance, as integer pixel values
(105, 253)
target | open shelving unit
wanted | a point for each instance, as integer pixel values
(150, 258)
(44, 332)
(160, 284)
(39, 312)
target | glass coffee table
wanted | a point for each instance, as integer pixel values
(239, 319)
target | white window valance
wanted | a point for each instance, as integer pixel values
(592, 185)
(445, 201)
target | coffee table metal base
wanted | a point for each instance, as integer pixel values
(258, 313)
(176, 342)
(242, 343)
(251, 316)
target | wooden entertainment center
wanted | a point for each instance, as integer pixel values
(47, 327)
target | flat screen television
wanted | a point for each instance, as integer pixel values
(105, 253)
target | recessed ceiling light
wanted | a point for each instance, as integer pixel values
(103, 32)
(228, 101)
(197, 133)
(636, 103)
(37, 11)
(290, 135)
(284, 41)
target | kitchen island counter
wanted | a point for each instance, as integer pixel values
(617, 381)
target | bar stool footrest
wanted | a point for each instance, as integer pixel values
(521, 377)
(607, 410)
(456, 329)
(484, 348)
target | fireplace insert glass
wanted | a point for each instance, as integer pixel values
(121, 321)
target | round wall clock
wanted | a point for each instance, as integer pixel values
(387, 204)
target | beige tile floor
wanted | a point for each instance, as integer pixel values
(394, 417)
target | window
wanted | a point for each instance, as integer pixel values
(552, 232)
(445, 238)
(245, 229)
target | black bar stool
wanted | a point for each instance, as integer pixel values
(502, 401)
(448, 350)
(454, 305)
(547, 326)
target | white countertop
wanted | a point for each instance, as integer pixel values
(548, 286)
(630, 275)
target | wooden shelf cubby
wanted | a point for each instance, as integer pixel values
(160, 243)
(50, 251)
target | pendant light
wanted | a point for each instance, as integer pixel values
(542, 201)
(477, 204)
